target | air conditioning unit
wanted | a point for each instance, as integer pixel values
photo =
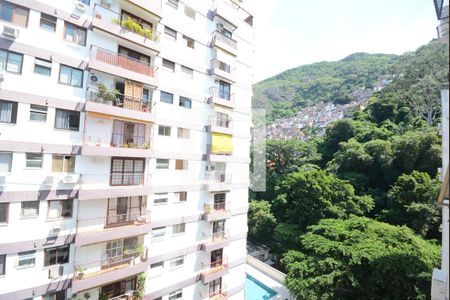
(55, 231)
(106, 3)
(10, 32)
(55, 272)
(80, 6)
(220, 26)
(72, 178)
(93, 78)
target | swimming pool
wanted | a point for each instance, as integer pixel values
(255, 290)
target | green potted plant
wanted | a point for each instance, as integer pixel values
(103, 297)
(207, 207)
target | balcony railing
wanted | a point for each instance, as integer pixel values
(215, 91)
(216, 266)
(215, 63)
(125, 22)
(115, 179)
(112, 221)
(219, 294)
(220, 122)
(126, 141)
(107, 264)
(217, 35)
(122, 61)
(218, 177)
(215, 237)
(216, 207)
(119, 100)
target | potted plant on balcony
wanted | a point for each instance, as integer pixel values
(146, 146)
(106, 95)
(80, 272)
(208, 208)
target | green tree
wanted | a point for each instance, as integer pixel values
(360, 258)
(261, 221)
(311, 195)
(413, 203)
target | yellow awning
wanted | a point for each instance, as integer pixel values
(222, 143)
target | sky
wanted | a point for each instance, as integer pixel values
(290, 33)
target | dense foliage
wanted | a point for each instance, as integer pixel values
(285, 93)
(352, 214)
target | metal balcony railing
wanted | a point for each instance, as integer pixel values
(218, 265)
(220, 122)
(216, 237)
(119, 100)
(108, 264)
(215, 63)
(112, 221)
(219, 294)
(122, 61)
(217, 92)
(217, 35)
(218, 177)
(216, 207)
(125, 22)
(115, 179)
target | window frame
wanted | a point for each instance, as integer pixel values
(48, 19)
(190, 42)
(57, 250)
(184, 100)
(160, 196)
(7, 58)
(14, 109)
(124, 175)
(3, 264)
(10, 154)
(72, 69)
(184, 163)
(161, 231)
(179, 229)
(74, 113)
(171, 33)
(166, 94)
(29, 255)
(34, 157)
(159, 164)
(22, 215)
(14, 7)
(60, 209)
(182, 196)
(77, 29)
(38, 110)
(164, 130)
(167, 68)
(43, 64)
(174, 262)
(5, 206)
(64, 163)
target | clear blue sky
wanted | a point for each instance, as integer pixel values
(290, 33)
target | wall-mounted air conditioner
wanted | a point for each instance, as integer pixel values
(70, 178)
(10, 32)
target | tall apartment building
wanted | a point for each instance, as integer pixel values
(124, 148)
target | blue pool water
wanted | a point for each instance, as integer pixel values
(255, 290)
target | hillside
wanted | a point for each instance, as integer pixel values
(287, 92)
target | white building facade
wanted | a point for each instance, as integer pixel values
(124, 148)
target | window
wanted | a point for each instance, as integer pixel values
(57, 255)
(27, 258)
(224, 90)
(177, 263)
(158, 232)
(156, 269)
(34, 160)
(67, 120)
(4, 211)
(2, 264)
(74, 34)
(168, 65)
(11, 61)
(60, 295)
(87, 2)
(29, 209)
(187, 72)
(179, 228)
(181, 164)
(127, 133)
(166, 97)
(182, 196)
(127, 171)
(164, 130)
(8, 112)
(189, 12)
(134, 55)
(189, 42)
(162, 163)
(13, 13)
(38, 113)
(176, 295)
(48, 22)
(185, 102)
(183, 133)
(60, 209)
(63, 164)
(70, 76)
(42, 66)
(5, 162)
(172, 34)
(161, 198)
(174, 3)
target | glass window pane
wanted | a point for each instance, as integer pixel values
(4, 207)
(77, 78)
(57, 163)
(14, 63)
(30, 209)
(5, 161)
(64, 74)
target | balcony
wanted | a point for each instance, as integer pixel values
(218, 181)
(220, 294)
(113, 23)
(215, 241)
(223, 42)
(222, 71)
(116, 104)
(121, 65)
(216, 155)
(220, 97)
(154, 7)
(220, 125)
(127, 184)
(227, 10)
(214, 270)
(102, 229)
(216, 211)
(108, 269)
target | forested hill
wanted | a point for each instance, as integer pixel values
(293, 89)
